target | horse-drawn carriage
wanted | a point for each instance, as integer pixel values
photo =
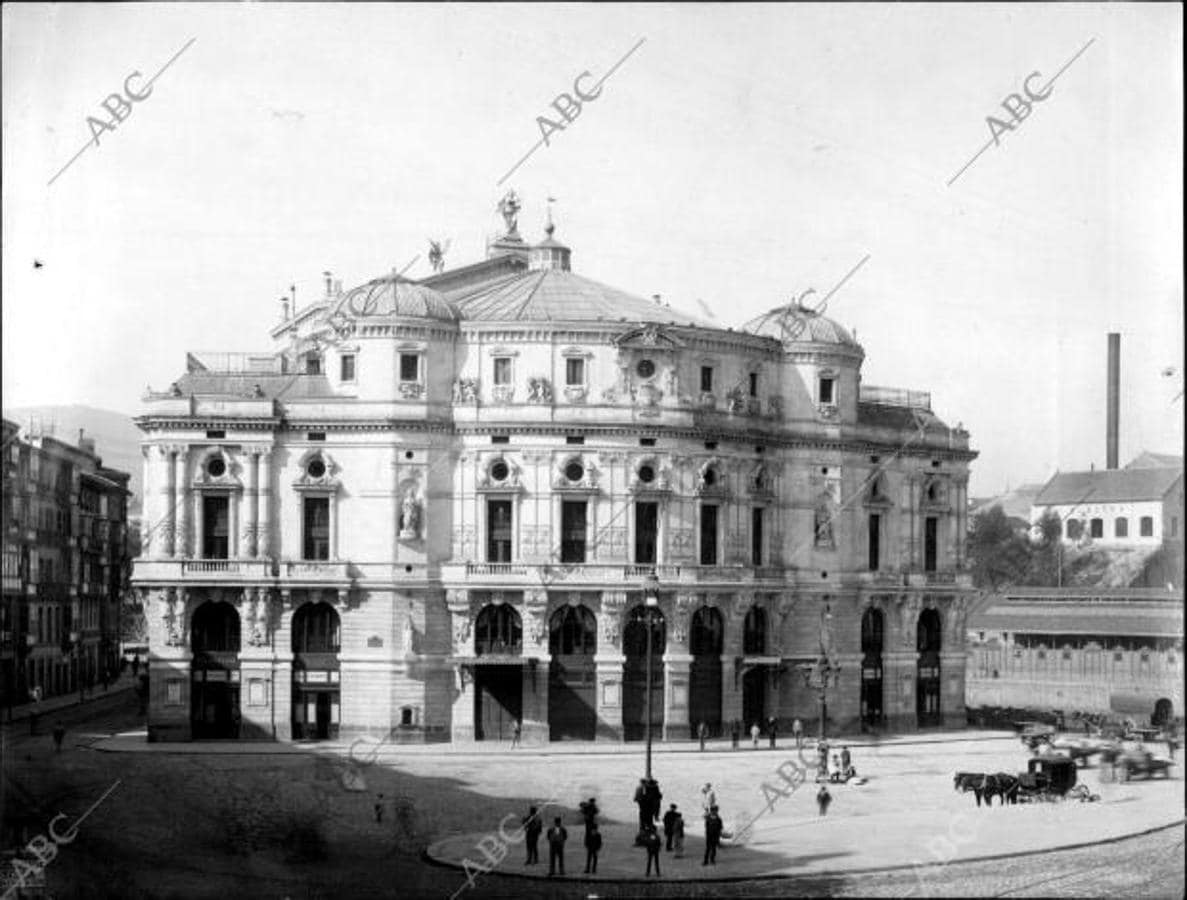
(1051, 778)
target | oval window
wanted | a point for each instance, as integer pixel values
(574, 471)
(645, 368)
(316, 468)
(710, 477)
(499, 471)
(646, 474)
(216, 468)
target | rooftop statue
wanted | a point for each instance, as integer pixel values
(509, 209)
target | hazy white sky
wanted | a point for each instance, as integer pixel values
(739, 157)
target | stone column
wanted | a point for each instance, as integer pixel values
(249, 506)
(179, 508)
(462, 631)
(609, 661)
(264, 543)
(536, 728)
(677, 664)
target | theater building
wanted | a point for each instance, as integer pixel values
(429, 510)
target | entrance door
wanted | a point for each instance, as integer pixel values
(572, 675)
(498, 701)
(706, 637)
(323, 716)
(214, 713)
(754, 698)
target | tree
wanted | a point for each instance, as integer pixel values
(1045, 552)
(1000, 556)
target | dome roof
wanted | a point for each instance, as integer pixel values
(793, 324)
(393, 296)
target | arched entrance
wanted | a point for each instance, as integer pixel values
(572, 675)
(1164, 712)
(498, 685)
(706, 638)
(872, 630)
(754, 682)
(927, 685)
(316, 686)
(214, 672)
(634, 673)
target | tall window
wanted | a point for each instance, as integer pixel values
(754, 632)
(875, 541)
(312, 364)
(498, 531)
(646, 528)
(931, 529)
(756, 535)
(1097, 527)
(409, 367)
(826, 391)
(1121, 527)
(753, 384)
(502, 370)
(347, 367)
(706, 378)
(316, 543)
(573, 531)
(574, 372)
(708, 535)
(216, 527)
(1146, 526)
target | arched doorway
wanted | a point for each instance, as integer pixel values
(214, 672)
(927, 686)
(1163, 713)
(634, 673)
(498, 687)
(706, 638)
(316, 684)
(572, 675)
(754, 682)
(872, 630)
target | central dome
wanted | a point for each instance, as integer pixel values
(794, 324)
(394, 297)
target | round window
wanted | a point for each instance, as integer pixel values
(645, 368)
(216, 468)
(316, 468)
(499, 471)
(646, 474)
(574, 471)
(710, 477)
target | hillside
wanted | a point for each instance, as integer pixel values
(117, 439)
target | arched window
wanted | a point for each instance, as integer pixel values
(1121, 527)
(572, 630)
(872, 632)
(707, 633)
(215, 629)
(634, 636)
(316, 629)
(498, 630)
(754, 632)
(929, 632)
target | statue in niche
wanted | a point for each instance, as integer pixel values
(410, 516)
(826, 631)
(465, 390)
(461, 629)
(409, 634)
(824, 520)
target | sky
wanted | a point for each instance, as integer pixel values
(739, 156)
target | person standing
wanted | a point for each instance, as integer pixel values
(641, 801)
(735, 734)
(702, 733)
(678, 832)
(593, 844)
(713, 829)
(135, 665)
(708, 799)
(652, 843)
(823, 799)
(772, 726)
(670, 818)
(556, 847)
(846, 760)
(532, 826)
(754, 732)
(516, 731)
(797, 729)
(653, 801)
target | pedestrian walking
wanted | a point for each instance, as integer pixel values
(713, 829)
(59, 735)
(641, 800)
(797, 729)
(593, 845)
(532, 826)
(702, 733)
(846, 761)
(379, 808)
(708, 799)
(735, 734)
(772, 725)
(516, 730)
(135, 665)
(823, 799)
(652, 844)
(678, 833)
(556, 847)
(754, 732)
(670, 818)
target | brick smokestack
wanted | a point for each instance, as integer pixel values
(1113, 401)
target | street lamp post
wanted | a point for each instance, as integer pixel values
(650, 603)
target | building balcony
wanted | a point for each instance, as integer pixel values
(316, 572)
(626, 575)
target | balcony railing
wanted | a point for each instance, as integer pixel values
(495, 569)
(207, 566)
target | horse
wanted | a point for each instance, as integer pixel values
(1004, 785)
(970, 781)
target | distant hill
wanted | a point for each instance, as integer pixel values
(117, 439)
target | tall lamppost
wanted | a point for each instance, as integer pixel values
(650, 603)
(824, 673)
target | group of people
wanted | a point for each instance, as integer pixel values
(772, 732)
(836, 768)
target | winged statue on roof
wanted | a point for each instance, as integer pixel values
(437, 251)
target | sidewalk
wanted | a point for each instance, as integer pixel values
(51, 705)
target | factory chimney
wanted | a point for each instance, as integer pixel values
(1113, 401)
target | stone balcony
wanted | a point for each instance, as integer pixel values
(595, 575)
(297, 573)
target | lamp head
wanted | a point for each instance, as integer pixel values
(651, 589)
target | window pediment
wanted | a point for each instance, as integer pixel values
(319, 472)
(649, 337)
(216, 471)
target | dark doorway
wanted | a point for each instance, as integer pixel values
(930, 531)
(498, 701)
(646, 531)
(216, 526)
(634, 673)
(872, 629)
(927, 689)
(498, 531)
(572, 675)
(214, 695)
(316, 684)
(754, 698)
(573, 531)
(705, 640)
(1163, 713)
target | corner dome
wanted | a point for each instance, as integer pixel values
(394, 297)
(794, 324)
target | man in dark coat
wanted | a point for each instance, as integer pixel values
(653, 800)
(652, 843)
(589, 813)
(556, 847)
(532, 826)
(735, 734)
(772, 725)
(641, 800)
(670, 818)
(713, 829)
(593, 844)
